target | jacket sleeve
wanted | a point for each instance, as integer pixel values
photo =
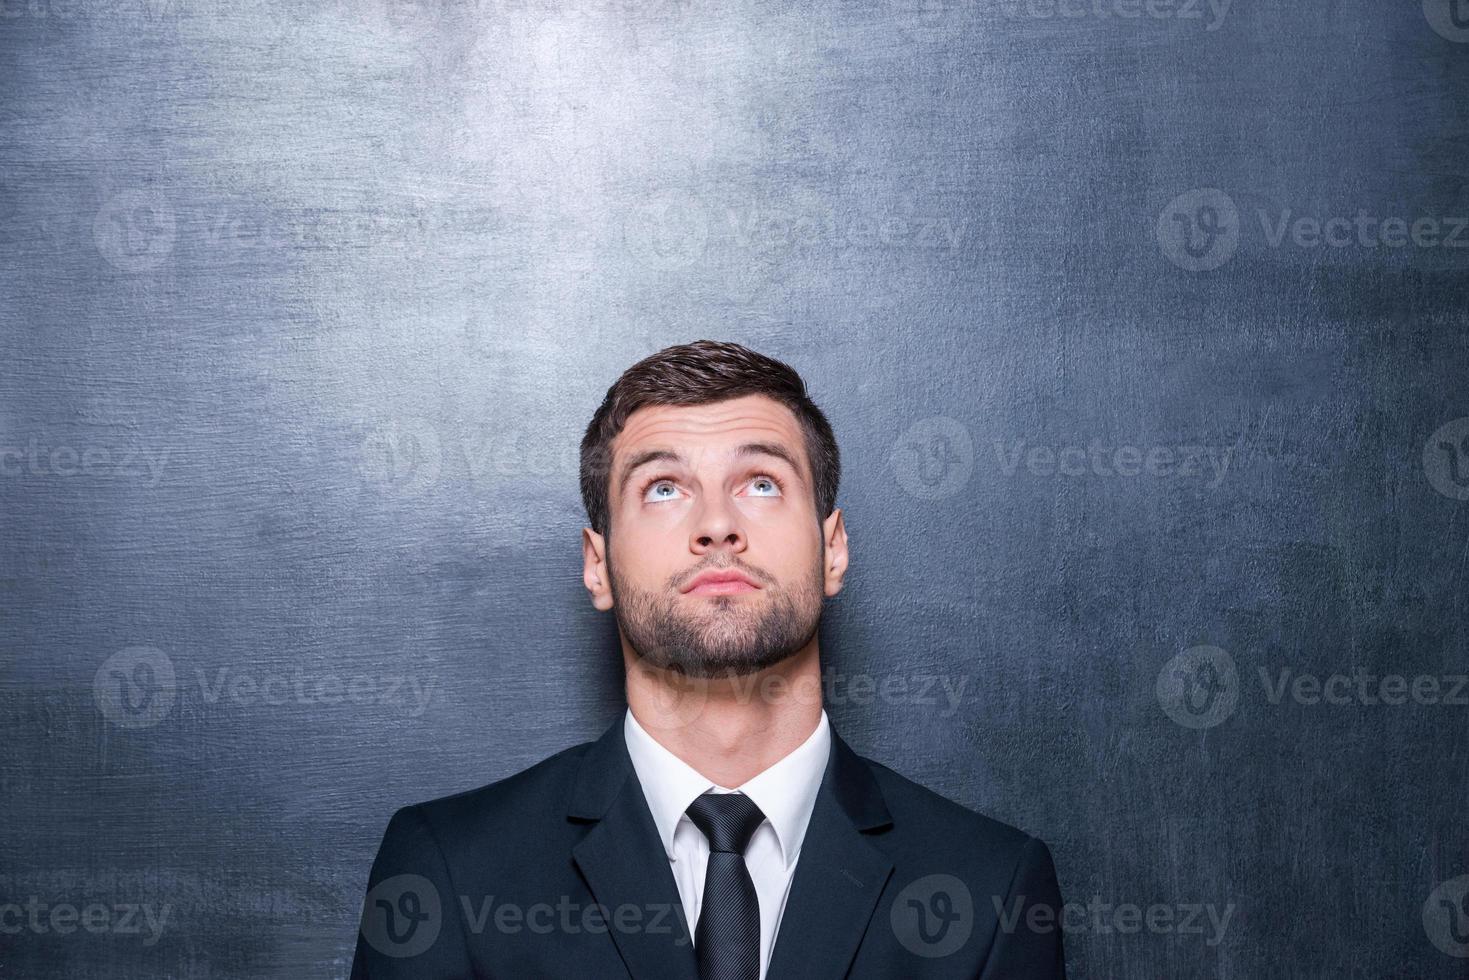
(410, 926)
(1031, 949)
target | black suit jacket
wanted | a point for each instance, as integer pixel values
(558, 872)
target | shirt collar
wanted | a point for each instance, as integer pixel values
(785, 792)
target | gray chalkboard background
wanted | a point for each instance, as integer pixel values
(305, 307)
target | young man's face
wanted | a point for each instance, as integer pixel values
(722, 488)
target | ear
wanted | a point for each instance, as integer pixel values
(834, 561)
(594, 573)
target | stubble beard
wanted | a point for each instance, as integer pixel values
(717, 636)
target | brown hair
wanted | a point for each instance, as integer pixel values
(699, 373)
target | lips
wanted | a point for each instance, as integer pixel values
(721, 582)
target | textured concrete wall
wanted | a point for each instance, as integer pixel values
(305, 307)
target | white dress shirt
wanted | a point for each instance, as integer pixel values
(785, 793)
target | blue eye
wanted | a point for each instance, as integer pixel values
(770, 482)
(653, 488)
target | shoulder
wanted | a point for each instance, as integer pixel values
(935, 830)
(526, 798)
(912, 802)
(993, 870)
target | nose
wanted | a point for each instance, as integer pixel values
(717, 527)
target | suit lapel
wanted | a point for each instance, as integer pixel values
(839, 874)
(624, 864)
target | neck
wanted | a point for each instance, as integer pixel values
(729, 729)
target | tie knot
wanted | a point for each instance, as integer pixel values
(728, 820)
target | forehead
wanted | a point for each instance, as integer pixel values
(711, 427)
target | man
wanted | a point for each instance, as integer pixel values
(720, 829)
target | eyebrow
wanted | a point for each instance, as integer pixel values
(773, 449)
